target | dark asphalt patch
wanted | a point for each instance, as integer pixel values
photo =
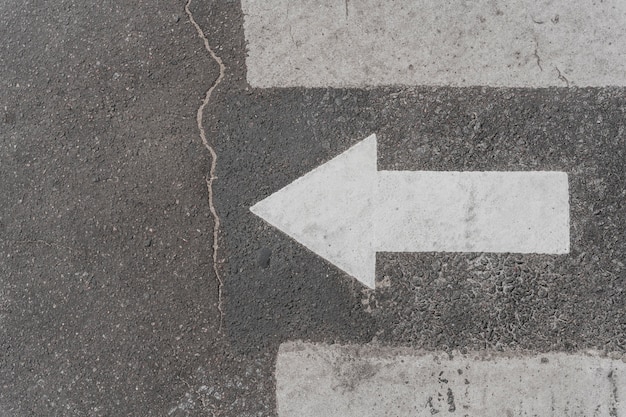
(429, 300)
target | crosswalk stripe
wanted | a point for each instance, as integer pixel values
(331, 43)
(332, 380)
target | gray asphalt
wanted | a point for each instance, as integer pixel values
(109, 304)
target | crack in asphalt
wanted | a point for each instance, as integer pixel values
(211, 177)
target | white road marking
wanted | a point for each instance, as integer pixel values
(345, 210)
(429, 211)
(523, 43)
(331, 380)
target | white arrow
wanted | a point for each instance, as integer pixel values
(345, 211)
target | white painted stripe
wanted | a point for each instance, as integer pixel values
(523, 43)
(429, 211)
(322, 380)
(345, 210)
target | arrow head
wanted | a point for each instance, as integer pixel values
(330, 210)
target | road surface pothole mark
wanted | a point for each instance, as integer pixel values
(211, 177)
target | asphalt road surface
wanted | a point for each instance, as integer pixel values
(135, 280)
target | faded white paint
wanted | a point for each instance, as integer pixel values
(430, 211)
(330, 380)
(523, 43)
(345, 210)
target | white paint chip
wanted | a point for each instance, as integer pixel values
(350, 381)
(345, 211)
(524, 43)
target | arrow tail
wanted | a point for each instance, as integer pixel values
(427, 211)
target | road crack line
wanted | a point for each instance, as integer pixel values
(536, 54)
(561, 76)
(211, 177)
